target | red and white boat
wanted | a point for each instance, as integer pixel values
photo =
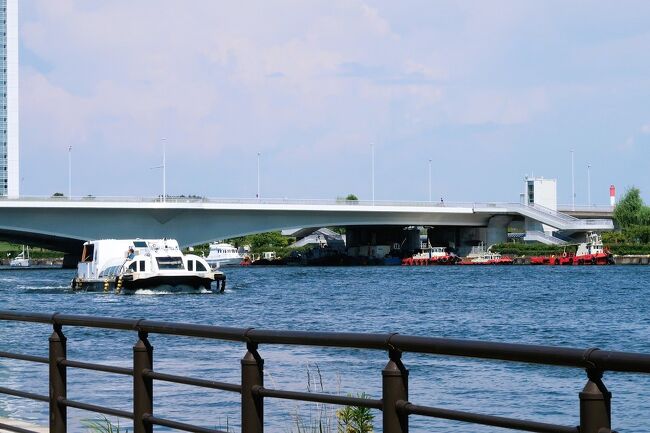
(479, 255)
(590, 252)
(429, 255)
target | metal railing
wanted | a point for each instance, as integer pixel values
(251, 201)
(595, 408)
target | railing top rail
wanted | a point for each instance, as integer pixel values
(536, 354)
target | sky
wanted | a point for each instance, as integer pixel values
(488, 91)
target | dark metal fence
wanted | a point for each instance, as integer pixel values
(595, 411)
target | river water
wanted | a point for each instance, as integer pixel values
(606, 307)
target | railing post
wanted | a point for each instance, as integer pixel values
(58, 379)
(252, 404)
(595, 404)
(142, 385)
(394, 390)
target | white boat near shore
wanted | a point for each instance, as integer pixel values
(22, 260)
(133, 264)
(223, 254)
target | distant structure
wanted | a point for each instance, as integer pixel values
(9, 161)
(541, 192)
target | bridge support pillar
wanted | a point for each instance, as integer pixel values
(497, 229)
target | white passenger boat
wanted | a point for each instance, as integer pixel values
(132, 264)
(223, 254)
(21, 260)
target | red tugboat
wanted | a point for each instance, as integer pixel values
(431, 256)
(479, 255)
(590, 252)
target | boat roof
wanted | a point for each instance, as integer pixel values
(137, 242)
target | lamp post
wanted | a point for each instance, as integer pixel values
(573, 184)
(69, 172)
(164, 169)
(258, 175)
(589, 184)
(429, 180)
(372, 172)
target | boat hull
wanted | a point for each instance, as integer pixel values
(128, 284)
(222, 263)
(571, 260)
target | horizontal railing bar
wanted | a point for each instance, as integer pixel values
(549, 355)
(570, 357)
(24, 394)
(179, 425)
(319, 398)
(31, 358)
(475, 418)
(9, 427)
(324, 339)
(96, 322)
(192, 330)
(95, 408)
(223, 386)
(23, 316)
(96, 367)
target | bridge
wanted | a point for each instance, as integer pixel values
(63, 224)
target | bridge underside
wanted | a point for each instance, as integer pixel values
(55, 243)
(65, 229)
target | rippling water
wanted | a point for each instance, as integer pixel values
(605, 307)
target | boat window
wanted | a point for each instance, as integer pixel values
(190, 265)
(87, 253)
(170, 263)
(141, 265)
(110, 271)
(133, 267)
(200, 267)
(140, 244)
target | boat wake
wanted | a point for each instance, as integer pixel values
(171, 290)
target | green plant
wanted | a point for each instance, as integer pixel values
(102, 425)
(355, 419)
(321, 418)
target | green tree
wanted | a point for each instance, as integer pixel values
(352, 197)
(267, 240)
(630, 210)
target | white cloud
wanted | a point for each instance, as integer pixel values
(301, 80)
(646, 128)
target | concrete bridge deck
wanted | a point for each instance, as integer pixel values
(61, 223)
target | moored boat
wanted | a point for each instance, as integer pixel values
(22, 260)
(223, 254)
(590, 252)
(479, 255)
(429, 255)
(131, 264)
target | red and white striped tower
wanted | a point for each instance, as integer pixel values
(612, 195)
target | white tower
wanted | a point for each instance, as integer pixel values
(540, 192)
(9, 149)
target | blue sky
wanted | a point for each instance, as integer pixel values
(490, 91)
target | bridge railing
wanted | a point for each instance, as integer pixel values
(598, 208)
(252, 201)
(594, 400)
